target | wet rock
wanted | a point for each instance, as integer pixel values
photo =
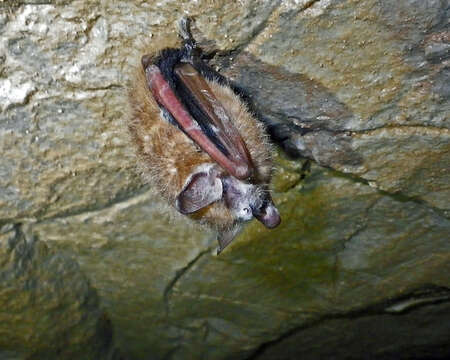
(344, 255)
(132, 252)
(340, 335)
(300, 114)
(331, 92)
(441, 83)
(44, 295)
(54, 147)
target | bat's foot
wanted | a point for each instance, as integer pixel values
(189, 43)
(184, 29)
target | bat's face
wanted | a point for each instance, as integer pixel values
(249, 200)
(181, 86)
(208, 184)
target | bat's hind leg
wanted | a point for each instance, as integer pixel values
(189, 48)
(184, 30)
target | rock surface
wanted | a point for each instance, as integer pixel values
(47, 305)
(355, 92)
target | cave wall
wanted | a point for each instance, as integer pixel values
(94, 265)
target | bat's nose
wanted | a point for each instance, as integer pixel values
(269, 216)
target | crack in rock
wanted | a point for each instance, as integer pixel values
(413, 300)
(115, 205)
(178, 275)
(397, 196)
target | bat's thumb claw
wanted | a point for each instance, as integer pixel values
(146, 61)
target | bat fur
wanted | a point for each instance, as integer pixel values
(170, 159)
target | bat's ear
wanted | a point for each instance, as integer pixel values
(225, 237)
(202, 188)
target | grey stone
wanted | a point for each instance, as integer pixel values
(441, 83)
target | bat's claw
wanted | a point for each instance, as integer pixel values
(184, 29)
(146, 60)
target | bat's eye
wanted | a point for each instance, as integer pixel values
(245, 214)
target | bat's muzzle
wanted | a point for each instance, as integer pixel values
(268, 215)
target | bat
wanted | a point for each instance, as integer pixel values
(197, 142)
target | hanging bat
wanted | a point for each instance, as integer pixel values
(198, 143)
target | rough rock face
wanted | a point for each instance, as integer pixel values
(47, 305)
(357, 95)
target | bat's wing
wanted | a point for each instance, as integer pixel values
(223, 141)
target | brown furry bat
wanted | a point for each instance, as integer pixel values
(199, 145)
